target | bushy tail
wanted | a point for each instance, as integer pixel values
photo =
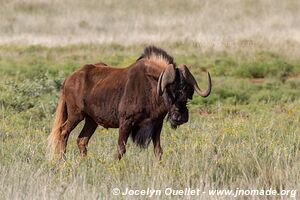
(60, 118)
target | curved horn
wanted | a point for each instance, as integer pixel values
(158, 89)
(191, 80)
(165, 78)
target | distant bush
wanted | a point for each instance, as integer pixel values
(265, 65)
(235, 91)
(224, 66)
(24, 94)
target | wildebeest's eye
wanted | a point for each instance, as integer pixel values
(171, 95)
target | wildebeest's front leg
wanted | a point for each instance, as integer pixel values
(124, 132)
(156, 141)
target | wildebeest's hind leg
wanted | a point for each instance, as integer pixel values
(72, 121)
(85, 135)
(156, 141)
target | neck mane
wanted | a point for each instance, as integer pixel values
(158, 56)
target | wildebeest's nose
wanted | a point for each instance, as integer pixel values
(176, 116)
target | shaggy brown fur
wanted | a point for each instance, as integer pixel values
(119, 98)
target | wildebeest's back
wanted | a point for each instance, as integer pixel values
(97, 90)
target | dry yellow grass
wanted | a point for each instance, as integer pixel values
(212, 24)
(247, 136)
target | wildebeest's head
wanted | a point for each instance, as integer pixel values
(177, 86)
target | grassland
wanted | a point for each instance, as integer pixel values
(245, 135)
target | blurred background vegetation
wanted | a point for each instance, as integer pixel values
(244, 135)
(262, 77)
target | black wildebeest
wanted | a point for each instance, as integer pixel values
(135, 99)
